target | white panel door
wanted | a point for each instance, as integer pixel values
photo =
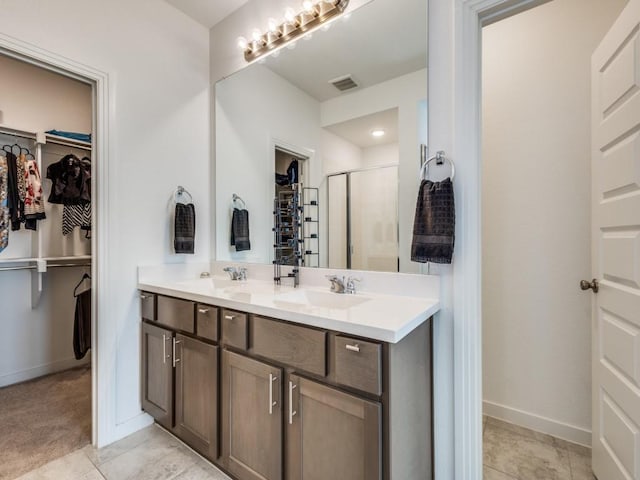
(616, 249)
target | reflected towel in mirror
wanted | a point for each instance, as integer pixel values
(240, 230)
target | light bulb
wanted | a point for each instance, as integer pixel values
(256, 34)
(291, 45)
(276, 54)
(378, 132)
(273, 25)
(326, 27)
(290, 15)
(242, 43)
(308, 36)
(308, 6)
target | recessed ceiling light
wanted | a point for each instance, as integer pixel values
(378, 132)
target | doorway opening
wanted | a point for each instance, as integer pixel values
(48, 268)
(536, 242)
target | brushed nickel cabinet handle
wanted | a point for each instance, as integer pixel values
(292, 412)
(229, 317)
(203, 310)
(272, 404)
(175, 359)
(164, 348)
(144, 297)
(353, 348)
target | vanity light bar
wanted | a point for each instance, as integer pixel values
(313, 14)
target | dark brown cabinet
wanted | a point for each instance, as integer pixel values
(180, 375)
(267, 399)
(157, 373)
(331, 434)
(196, 394)
(251, 418)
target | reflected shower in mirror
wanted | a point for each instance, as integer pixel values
(349, 107)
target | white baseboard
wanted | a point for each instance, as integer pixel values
(41, 370)
(531, 421)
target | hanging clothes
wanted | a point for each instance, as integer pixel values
(71, 178)
(16, 207)
(71, 187)
(82, 320)
(76, 216)
(4, 208)
(34, 197)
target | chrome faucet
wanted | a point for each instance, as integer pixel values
(236, 273)
(337, 283)
(340, 285)
(350, 286)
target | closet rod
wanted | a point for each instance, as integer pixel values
(53, 265)
(6, 269)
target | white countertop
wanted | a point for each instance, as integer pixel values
(387, 318)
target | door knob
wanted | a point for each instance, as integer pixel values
(593, 285)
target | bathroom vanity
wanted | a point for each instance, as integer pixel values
(246, 374)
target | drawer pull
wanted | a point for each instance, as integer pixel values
(272, 404)
(292, 412)
(229, 317)
(353, 348)
(203, 310)
(164, 348)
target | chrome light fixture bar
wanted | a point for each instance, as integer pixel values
(314, 14)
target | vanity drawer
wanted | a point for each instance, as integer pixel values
(148, 306)
(235, 331)
(300, 347)
(207, 321)
(176, 313)
(358, 364)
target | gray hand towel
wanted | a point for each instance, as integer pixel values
(240, 230)
(185, 228)
(434, 224)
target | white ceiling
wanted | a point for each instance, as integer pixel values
(358, 130)
(207, 12)
(379, 41)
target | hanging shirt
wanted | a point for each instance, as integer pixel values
(16, 206)
(34, 197)
(71, 178)
(4, 208)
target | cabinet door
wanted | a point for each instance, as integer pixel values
(251, 418)
(197, 395)
(331, 434)
(157, 374)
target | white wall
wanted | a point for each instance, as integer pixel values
(40, 340)
(158, 65)
(536, 216)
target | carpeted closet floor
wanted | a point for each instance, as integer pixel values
(44, 419)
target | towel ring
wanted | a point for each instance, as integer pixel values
(237, 198)
(440, 158)
(180, 191)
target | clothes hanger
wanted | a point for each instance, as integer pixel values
(28, 154)
(85, 276)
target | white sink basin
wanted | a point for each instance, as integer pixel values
(315, 298)
(208, 283)
(255, 288)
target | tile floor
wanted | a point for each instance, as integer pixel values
(149, 454)
(510, 453)
(516, 453)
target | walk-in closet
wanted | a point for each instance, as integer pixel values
(46, 177)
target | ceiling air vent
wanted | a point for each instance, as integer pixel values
(344, 83)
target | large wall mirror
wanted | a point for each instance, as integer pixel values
(332, 129)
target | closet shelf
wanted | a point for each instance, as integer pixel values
(67, 142)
